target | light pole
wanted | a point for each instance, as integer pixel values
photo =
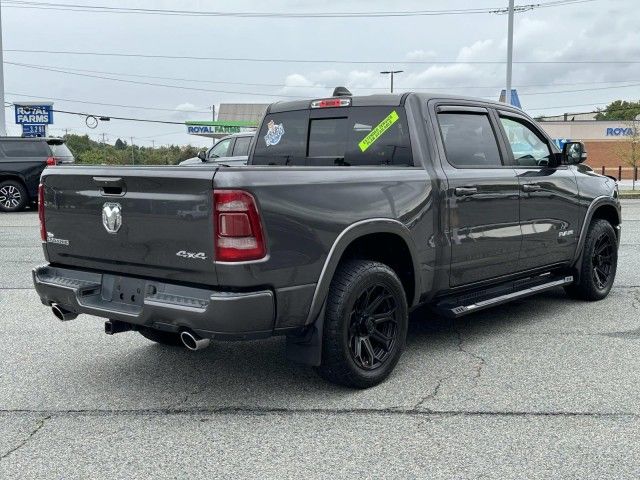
(507, 93)
(391, 72)
(3, 125)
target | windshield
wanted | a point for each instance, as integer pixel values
(355, 136)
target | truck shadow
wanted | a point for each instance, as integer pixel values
(256, 374)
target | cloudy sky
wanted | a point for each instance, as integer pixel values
(185, 88)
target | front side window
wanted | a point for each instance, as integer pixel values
(221, 149)
(529, 150)
(469, 140)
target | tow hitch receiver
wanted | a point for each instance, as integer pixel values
(111, 327)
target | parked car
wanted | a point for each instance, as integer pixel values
(230, 150)
(352, 212)
(22, 160)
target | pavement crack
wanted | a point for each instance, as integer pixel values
(37, 428)
(258, 410)
(433, 394)
(480, 361)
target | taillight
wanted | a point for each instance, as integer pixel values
(52, 161)
(331, 103)
(43, 228)
(238, 229)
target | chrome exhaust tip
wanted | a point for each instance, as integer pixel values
(62, 313)
(193, 341)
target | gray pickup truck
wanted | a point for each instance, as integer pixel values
(353, 211)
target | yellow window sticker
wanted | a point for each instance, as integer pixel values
(377, 132)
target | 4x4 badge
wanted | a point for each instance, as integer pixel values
(112, 217)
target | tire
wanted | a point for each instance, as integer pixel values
(598, 265)
(164, 338)
(13, 196)
(359, 350)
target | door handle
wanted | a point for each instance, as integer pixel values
(531, 187)
(464, 191)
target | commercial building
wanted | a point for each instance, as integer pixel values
(232, 118)
(607, 142)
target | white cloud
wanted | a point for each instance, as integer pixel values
(482, 49)
(418, 55)
(183, 107)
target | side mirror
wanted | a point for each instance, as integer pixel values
(573, 153)
(202, 155)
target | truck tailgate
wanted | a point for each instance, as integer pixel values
(164, 215)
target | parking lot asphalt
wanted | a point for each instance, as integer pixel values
(546, 387)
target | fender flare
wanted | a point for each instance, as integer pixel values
(4, 175)
(595, 204)
(346, 237)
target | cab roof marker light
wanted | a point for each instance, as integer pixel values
(331, 103)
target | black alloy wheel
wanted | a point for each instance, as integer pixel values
(602, 260)
(373, 327)
(597, 269)
(365, 324)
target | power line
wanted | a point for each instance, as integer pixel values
(182, 124)
(284, 85)
(336, 61)
(129, 119)
(580, 90)
(277, 15)
(138, 107)
(136, 82)
(315, 86)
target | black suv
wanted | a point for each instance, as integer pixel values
(22, 160)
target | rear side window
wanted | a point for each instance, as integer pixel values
(17, 148)
(469, 140)
(60, 150)
(356, 136)
(241, 148)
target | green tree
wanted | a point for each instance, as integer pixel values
(90, 152)
(629, 150)
(619, 110)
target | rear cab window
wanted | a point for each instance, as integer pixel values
(344, 136)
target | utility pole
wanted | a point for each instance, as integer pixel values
(3, 123)
(213, 117)
(392, 73)
(104, 148)
(133, 155)
(507, 93)
(153, 144)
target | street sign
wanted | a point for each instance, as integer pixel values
(34, 130)
(34, 114)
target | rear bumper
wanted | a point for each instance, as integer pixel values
(164, 306)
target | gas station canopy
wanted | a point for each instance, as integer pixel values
(219, 128)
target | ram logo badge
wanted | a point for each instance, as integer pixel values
(112, 217)
(185, 254)
(565, 233)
